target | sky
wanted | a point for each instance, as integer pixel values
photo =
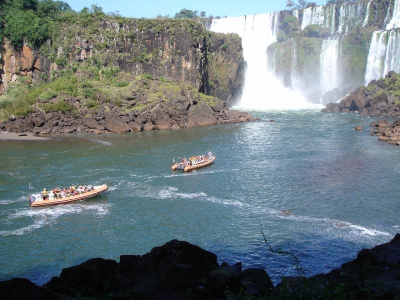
(152, 8)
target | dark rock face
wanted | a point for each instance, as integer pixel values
(379, 98)
(179, 270)
(374, 274)
(167, 272)
(177, 50)
(20, 288)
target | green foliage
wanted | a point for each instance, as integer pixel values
(61, 106)
(47, 95)
(290, 26)
(186, 14)
(281, 36)
(29, 20)
(355, 49)
(61, 62)
(315, 31)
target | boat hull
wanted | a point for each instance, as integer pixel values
(198, 166)
(97, 191)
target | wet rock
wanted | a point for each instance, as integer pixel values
(358, 128)
(257, 282)
(116, 126)
(20, 288)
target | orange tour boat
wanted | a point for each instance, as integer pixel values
(62, 196)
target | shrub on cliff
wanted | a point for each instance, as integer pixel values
(290, 26)
(315, 31)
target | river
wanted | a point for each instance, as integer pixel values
(314, 185)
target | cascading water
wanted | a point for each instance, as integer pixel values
(313, 16)
(262, 89)
(395, 21)
(329, 65)
(383, 55)
(350, 17)
(365, 23)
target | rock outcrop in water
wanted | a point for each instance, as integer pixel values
(179, 270)
(379, 98)
(387, 132)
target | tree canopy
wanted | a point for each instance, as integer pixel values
(29, 20)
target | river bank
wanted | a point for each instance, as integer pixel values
(12, 136)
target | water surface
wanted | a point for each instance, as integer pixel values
(316, 187)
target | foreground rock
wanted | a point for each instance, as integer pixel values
(374, 274)
(179, 270)
(387, 132)
(379, 98)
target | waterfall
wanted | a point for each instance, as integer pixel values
(296, 13)
(395, 21)
(262, 89)
(313, 15)
(329, 65)
(383, 54)
(350, 16)
(333, 19)
(296, 83)
(368, 13)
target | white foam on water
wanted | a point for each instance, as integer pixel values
(10, 201)
(49, 215)
(342, 225)
(24, 230)
(234, 203)
(172, 193)
(101, 142)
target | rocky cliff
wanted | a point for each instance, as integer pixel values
(176, 50)
(103, 74)
(179, 270)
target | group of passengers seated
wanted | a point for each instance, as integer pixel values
(59, 193)
(195, 160)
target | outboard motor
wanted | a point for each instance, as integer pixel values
(32, 199)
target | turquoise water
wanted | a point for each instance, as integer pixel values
(338, 190)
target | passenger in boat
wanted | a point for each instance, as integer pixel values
(45, 194)
(57, 193)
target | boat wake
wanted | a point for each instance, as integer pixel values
(46, 216)
(8, 202)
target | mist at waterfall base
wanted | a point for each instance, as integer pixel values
(262, 89)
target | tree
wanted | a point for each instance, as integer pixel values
(203, 14)
(186, 14)
(290, 3)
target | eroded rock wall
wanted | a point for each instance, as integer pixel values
(177, 50)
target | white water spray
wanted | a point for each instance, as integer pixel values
(383, 54)
(262, 89)
(395, 21)
(329, 65)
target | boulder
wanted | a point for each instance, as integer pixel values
(225, 278)
(201, 115)
(149, 126)
(38, 121)
(21, 288)
(93, 277)
(116, 126)
(90, 123)
(257, 282)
